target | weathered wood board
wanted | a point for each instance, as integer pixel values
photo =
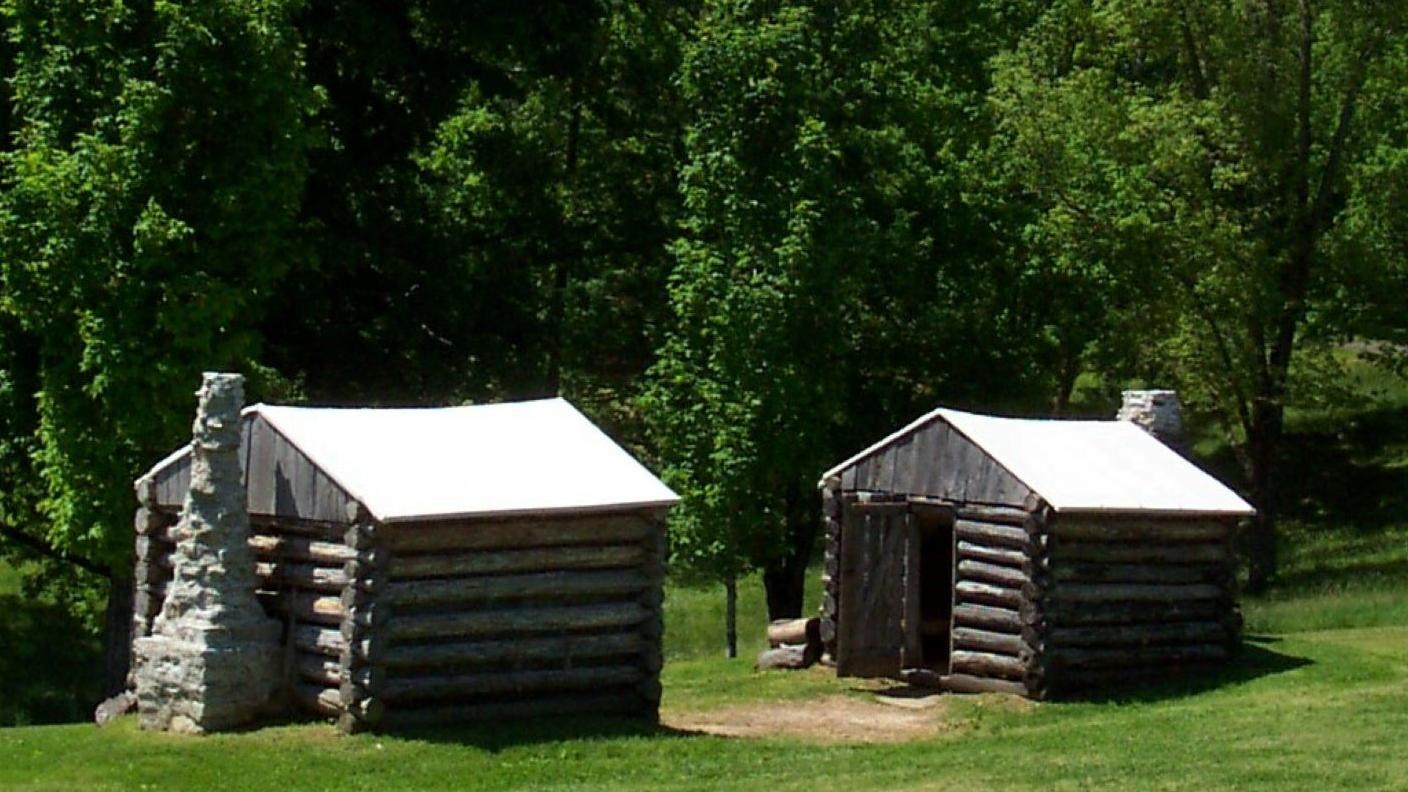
(874, 550)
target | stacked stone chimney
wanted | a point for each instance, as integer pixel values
(212, 660)
(1156, 412)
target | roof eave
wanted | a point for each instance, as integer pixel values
(554, 511)
(1154, 512)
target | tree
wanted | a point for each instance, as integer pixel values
(829, 279)
(148, 209)
(1215, 170)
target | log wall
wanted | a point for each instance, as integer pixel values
(449, 622)
(489, 619)
(993, 552)
(1121, 599)
(831, 506)
(154, 530)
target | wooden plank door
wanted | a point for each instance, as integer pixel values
(878, 546)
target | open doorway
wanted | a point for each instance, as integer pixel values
(936, 573)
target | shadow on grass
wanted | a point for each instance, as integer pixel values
(1333, 472)
(498, 736)
(1251, 662)
(49, 664)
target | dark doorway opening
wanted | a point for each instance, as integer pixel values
(936, 574)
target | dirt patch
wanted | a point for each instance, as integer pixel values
(833, 719)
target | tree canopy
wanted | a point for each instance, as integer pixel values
(747, 236)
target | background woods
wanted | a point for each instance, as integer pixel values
(747, 237)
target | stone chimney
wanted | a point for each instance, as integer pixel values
(212, 660)
(1156, 412)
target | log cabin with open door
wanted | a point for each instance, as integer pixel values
(1035, 557)
(439, 565)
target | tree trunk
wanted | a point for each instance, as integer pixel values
(785, 580)
(117, 635)
(731, 616)
(1264, 444)
(1067, 370)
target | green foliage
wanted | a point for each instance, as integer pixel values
(830, 280)
(148, 210)
(1200, 177)
(1157, 145)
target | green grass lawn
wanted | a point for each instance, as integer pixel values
(1310, 710)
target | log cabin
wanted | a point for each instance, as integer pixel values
(441, 564)
(1037, 557)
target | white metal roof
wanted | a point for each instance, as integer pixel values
(482, 460)
(1104, 466)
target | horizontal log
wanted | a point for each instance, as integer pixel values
(1138, 634)
(988, 618)
(150, 549)
(146, 522)
(986, 641)
(306, 576)
(151, 573)
(319, 640)
(968, 591)
(146, 603)
(966, 683)
(530, 586)
(1132, 592)
(280, 526)
(991, 534)
(317, 698)
(420, 688)
(1084, 613)
(876, 508)
(1140, 573)
(319, 669)
(516, 620)
(986, 664)
(991, 573)
(1116, 657)
(326, 609)
(794, 631)
(625, 701)
(1142, 552)
(301, 548)
(328, 671)
(499, 562)
(789, 656)
(523, 533)
(1093, 529)
(993, 555)
(331, 643)
(565, 648)
(994, 514)
(361, 535)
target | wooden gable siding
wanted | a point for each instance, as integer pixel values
(939, 462)
(281, 480)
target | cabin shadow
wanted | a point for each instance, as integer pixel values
(497, 736)
(1253, 660)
